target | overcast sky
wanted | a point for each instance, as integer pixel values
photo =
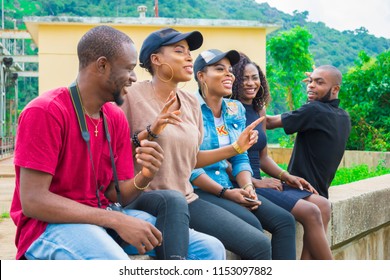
(374, 15)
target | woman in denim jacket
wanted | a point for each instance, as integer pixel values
(223, 121)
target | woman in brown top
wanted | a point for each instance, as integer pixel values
(151, 106)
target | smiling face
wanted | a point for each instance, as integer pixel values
(218, 77)
(174, 62)
(251, 83)
(323, 86)
(122, 73)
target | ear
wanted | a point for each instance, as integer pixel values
(336, 90)
(101, 64)
(155, 59)
(200, 76)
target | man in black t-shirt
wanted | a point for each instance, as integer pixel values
(323, 129)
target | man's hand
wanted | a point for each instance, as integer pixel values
(139, 233)
(249, 136)
(150, 155)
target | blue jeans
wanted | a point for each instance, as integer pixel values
(236, 235)
(91, 242)
(279, 222)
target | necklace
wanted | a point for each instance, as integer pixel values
(95, 124)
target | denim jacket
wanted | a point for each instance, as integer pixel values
(233, 113)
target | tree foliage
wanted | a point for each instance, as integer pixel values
(289, 59)
(365, 94)
(327, 45)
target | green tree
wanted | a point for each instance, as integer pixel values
(365, 94)
(290, 58)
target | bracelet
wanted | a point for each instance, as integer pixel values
(222, 192)
(281, 173)
(135, 139)
(237, 147)
(151, 134)
(136, 186)
(247, 185)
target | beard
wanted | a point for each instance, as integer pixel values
(118, 98)
(326, 97)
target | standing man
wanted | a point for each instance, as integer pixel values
(322, 130)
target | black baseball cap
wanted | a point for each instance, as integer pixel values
(168, 36)
(212, 56)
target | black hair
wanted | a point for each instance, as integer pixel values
(263, 96)
(101, 41)
(148, 63)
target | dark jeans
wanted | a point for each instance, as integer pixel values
(236, 235)
(279, 222)
(171, 211)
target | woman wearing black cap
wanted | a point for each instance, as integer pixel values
(223, 121)
(151, 105)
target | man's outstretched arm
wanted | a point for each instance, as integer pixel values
(274, 121)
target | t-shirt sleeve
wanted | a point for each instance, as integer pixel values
(38, 140)
(299, 120)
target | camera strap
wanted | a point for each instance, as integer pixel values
(76, 100)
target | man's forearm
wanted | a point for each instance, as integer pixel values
(274, 121)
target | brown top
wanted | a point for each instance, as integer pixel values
(180, 142)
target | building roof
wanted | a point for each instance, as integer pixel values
(33, 23)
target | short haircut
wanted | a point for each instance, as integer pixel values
(101, 41)
(336, 74)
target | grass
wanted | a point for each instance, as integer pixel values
(347, 175)
(357, 173)
(4, 215)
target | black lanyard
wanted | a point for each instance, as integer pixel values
(75, 95)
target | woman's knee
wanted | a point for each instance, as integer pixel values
(307, 213)
(172, 200)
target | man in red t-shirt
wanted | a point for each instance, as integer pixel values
(62, 189)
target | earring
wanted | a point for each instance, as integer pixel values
(161, 79)
(204, 89)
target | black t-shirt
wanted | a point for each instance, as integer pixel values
(253, 152)
(323, 129)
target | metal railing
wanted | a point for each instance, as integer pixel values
(7, 145)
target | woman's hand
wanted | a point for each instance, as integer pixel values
(299, 183)
(249, 136)
(270, 183)
(238, 195)
(165, 117)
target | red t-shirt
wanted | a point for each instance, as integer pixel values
(49, 140)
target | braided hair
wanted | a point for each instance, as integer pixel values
(262, 96)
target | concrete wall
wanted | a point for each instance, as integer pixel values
(360, 223)
(350, 159)
(359, 228)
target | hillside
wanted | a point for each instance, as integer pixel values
(327, 45)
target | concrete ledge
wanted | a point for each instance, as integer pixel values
(359, 207)
(359, 228)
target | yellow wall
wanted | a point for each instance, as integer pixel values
(57, 42)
